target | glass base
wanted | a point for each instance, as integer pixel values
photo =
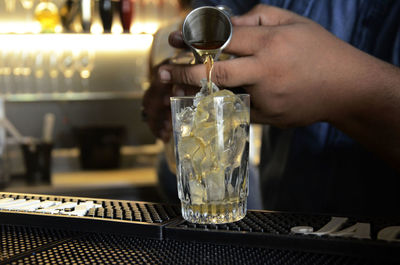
(214, 213)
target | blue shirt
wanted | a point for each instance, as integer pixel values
(318, 168)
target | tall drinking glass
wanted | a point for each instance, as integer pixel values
(212, 149)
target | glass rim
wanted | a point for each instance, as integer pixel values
(192, 97)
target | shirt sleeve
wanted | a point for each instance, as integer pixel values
(238, 7)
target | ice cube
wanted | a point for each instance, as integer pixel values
(187, 146)
(206, 131)
(204, 91)
(192, 148)
(202, 114)
(186, 168)
(224, 93)
(186, 115)
(210, 160)
(233, 107)
(185, 121)
(239, 142)
(241, 115)
(198, 194)
(205, 110)
(240, 118)
(232, 155)
(215, 182)
(208, 103)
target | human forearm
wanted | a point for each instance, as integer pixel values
(369, 110)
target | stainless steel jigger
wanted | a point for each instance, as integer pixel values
(207, 24)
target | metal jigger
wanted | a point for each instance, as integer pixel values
(207, 24)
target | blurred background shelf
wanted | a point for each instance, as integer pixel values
(127, 184)
(73, 96)
(87, 73)
(73, 66)
(135, 179)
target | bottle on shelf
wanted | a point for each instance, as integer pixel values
(106, 14)
(86, 14)
(126, 14)
(68, 13)
(48, 16)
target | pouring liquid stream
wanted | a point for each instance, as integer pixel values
(208, 50)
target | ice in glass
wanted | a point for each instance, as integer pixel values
(211, 134)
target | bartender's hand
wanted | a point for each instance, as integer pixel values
(298, 73)
(286, 62)
(156, 107)
(294, 69)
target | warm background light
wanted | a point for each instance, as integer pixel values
(147, 27)
(104, 42)
(19, 27)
